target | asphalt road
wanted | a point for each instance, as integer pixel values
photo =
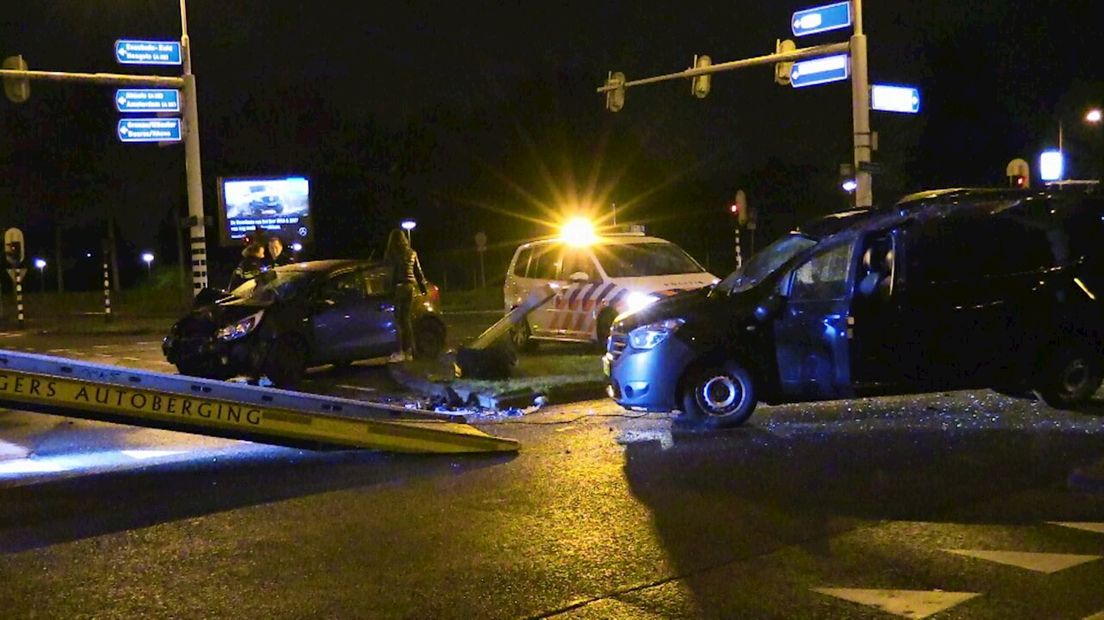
(948, 504)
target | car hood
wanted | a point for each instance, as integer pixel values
(700, 305)
(208, 318)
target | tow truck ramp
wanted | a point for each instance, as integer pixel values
(66, 387)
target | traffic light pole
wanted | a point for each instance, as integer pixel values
(860, 92)
(197, 232)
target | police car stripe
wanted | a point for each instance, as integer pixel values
(609, 288)
(586, 306)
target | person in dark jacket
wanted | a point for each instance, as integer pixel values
(251, 265)
(278, 256)
(406, 274)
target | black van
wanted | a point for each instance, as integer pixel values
(948, 289)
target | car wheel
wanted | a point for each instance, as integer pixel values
(286, 363)
(1071, 377)
(429, 338)
(721, 396)
(521, 335)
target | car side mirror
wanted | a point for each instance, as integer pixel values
(578, 277)
(770, 307)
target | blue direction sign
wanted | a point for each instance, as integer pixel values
(147, 100)
(904, 99)
(820, 70)
(148, 52)
(149, 130)
(821, 19)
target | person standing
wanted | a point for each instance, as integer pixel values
(406, 273)
(278, 256)
(251, 265)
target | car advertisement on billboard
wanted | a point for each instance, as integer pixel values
(279, 206)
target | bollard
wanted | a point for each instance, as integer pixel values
(19, 297)
(107, 289)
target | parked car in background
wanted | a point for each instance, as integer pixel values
(949, 289)
(297, 316)
(597, 278)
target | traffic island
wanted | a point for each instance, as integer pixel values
(557, 376)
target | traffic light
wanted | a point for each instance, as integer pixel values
(13, 251)
(1019, 174)
(615, 97)
(1018, 181)
(782, 70)
(739, 208)
(699, 84)
(18, 90)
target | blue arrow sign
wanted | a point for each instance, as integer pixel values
(147, 100)
(820, 70)
(904, 99)
(821, 19)
(148, 52)
(149, 130)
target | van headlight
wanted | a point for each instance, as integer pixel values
(240, 328)
(648, 336)
(636, 301)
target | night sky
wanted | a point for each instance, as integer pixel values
(481, 115)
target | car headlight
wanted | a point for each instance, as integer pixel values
(240, 328)
(638, 301)
(648, 336)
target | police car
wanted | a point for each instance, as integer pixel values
(596, 278)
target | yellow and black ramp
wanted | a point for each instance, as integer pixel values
(70, 388)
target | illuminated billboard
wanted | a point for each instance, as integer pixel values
(279, 206)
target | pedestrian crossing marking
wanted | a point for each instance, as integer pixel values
(904, 603)
(1080, 525)
(1039, 562)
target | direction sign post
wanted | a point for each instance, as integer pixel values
(147, 100)
(820, 71)
(821, 19)
(130, 52)
(149, 130)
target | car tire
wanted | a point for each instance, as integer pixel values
(521, 336)
(718, 396)
(1071, 377)
(429, 339)
(286, 362)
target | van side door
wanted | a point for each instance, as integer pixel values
(811, 332)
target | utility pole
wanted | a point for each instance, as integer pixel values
(860, 110)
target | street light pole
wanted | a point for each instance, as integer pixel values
(197, 222)
(860, 110)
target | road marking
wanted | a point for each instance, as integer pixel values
(1039, 562)
(58, 350)
(904, 603)
(1080, 525)
(103, 346)
(131, 359)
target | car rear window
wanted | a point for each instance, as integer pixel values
(636, 260)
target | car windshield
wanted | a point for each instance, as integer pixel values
(765, 263)
(635, 260)
(281, 283)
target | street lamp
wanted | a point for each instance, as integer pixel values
(147, 257)
(40, 264)
(409, 226)
(1093, 116)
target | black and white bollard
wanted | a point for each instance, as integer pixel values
(19, 297)
(107, 288)
(739, 251)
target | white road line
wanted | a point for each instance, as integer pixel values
(1039, 562)
(131, 359)
(59, 350)
(1080, 525)
(904, 603)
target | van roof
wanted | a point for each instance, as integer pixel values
(603, 239)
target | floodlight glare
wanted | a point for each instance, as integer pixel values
(578, 232)
(1052, 166)
(147, 257)
(1093, 116)
(40, 263)
(408, 224)
(850, 186)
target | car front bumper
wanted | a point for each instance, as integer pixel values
(647, 380)
(214, 358)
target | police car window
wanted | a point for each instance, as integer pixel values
(824, 276)
(633, 260)
(545, 263)
(522, 262)
(579, 261)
